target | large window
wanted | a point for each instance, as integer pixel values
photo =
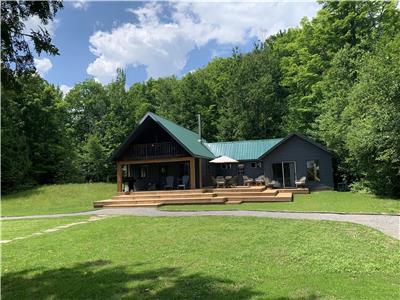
(313, 170)
(144, 171)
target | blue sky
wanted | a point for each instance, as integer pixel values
(156, 39)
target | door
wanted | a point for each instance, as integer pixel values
(285, 173)
(289, 173)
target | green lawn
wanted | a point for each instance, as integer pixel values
(56, 199)
(18, 228)
(203, 258)
(326, 201)
(79, 197)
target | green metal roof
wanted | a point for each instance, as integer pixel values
(188, 138)
(243, 150)
(240, 150)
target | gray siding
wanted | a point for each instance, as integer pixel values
(298, 150)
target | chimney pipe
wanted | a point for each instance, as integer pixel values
(199, 126)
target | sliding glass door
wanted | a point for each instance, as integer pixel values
(285, 173)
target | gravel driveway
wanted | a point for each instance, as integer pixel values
(389, 225)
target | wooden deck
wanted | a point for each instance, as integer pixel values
(200, 196)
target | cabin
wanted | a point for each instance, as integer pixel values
(160, 154)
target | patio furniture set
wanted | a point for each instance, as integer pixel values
(231, 181)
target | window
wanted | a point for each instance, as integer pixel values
(256, 164)
(313, 170)
(226, 166)
(144, 170)
(240, 169)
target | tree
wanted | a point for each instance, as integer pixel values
(93, 160)
(15, 162)
(373, 135)
(310, 51)
(36, 144)
(16, 55)
(87, 104)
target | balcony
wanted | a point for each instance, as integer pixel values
(154, 150)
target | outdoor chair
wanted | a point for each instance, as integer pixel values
(185, 182)
(275, 184)
(260, 180)
(268, 183)
(169, 182)
(247, 180)
(301, 182)
(221, 182)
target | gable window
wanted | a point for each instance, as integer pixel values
(144, 171)
(313, 170)
(226, 166)
(256, 164)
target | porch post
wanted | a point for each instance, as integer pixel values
(119, 177)
(200, 175)
(192, 167)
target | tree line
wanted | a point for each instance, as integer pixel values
(335, 78)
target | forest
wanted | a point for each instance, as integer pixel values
(334, 78)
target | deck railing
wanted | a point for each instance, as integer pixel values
(155, 150)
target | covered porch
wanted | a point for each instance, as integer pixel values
(158, 174)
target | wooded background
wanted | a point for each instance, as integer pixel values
(335, 78)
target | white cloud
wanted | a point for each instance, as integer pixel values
(43, 65)
(80, 4)
(65, 89)
(163, 46)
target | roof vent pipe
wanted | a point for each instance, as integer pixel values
(199, 126)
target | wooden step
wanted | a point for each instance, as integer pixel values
(131, 205)
(162, 196)
(248, 194)
(161, 192)
(233, 201)
(280, 197)
(156, 202)
(240, 189)
(294, 190)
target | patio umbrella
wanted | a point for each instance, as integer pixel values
(224, 160)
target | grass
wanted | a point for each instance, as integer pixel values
(326, 201)
(18, 228)
(203, 258)
(66, 198)
(51, 199)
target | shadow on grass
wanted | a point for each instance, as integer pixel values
(100, 280)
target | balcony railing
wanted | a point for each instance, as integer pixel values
(155, 150)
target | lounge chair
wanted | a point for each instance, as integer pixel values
(169, 182)
(268, 183)
(233, 181)
(275, 184)
(185, 182)
(301, 182)
(221, 182)
(247, 181)
(260, 180)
